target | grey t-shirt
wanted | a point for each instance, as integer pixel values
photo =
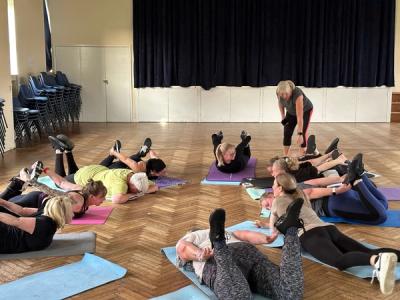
(290, 105)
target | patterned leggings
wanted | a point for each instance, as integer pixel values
(239, 269)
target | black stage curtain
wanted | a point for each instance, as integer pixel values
(315, 43)
(47, 39)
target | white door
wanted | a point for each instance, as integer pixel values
(118, 85)
(94, 104)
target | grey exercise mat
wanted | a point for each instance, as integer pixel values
(64, 244)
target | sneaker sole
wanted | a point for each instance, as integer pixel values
(387, 274)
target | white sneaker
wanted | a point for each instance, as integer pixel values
(385, 272)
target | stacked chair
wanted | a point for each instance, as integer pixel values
(3, 126)
(75, 94)
(26, 122)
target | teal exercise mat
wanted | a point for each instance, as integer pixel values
(190, 292)
(170, 253)
(358, 271)
(208, 182)
(47, 181)
(62, 282)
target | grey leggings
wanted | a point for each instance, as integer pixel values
(239, 269)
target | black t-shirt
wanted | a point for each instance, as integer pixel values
(15, 240)
(305, 172)
(234, 166)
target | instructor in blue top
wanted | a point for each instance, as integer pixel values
(295, 109)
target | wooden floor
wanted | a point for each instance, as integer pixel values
(135, 232)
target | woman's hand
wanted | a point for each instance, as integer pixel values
(204, 254)
(343, 188)
(271, 238)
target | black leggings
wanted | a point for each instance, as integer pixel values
(291, 125)
(72, 166)
(242, 157)
(111, 164)
(336, 249)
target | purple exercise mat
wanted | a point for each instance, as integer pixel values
(215, 175)
(391, 193)
(164, 182)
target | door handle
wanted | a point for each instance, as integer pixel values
(105, 81)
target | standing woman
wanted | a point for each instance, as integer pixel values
(296, 109)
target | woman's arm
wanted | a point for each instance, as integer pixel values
(123, 198)
(281, 109)
(61, 182)
(133, 165)
(299, 113)
(255, 238)
(316, 193)
(23, 223)
(18, 209)
(323, 182)
(189, 252)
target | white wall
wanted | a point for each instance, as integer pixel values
(246, 104)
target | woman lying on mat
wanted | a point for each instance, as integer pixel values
(93, 193)
(122, 184)
(306, 170)
(22, 234)
(357, 199)
(231, 159)
(230, 265)
(153, 167)
(325, 242)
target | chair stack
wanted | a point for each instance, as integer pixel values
(75, 94)
(3, 127)
(26, 122)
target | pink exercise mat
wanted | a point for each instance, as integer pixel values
(94, 215)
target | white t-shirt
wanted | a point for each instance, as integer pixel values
(201, 239)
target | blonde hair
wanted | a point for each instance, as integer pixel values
(220, 151)
(289, 186)
(285, 86)
(287, 164)
(59, 209)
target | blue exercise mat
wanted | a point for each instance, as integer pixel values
(65, 281)
(393, 220)
(249, 225)
(170, 253)
(47, 181)
(208, 182)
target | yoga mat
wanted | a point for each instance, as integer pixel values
(249, 225)
(64, 244)
(358, 271)
(215, 175)
(261, 182)
(265, 213)
(47, 181)
(393, 220)
(170, 253)
(391, 193)
(65, 281)
(207, 182)
(164, 182)
(256, 193)
(94, 215)
(190, 292)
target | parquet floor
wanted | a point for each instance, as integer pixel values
(135, 232)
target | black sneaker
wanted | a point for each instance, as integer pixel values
(57, 144)
(311, 145)
(355, 170)
(217, 226)
(332, 146)
(69, 144)
(36, 170)
(217, 138)
(146, 147)
(243, 135)
(117, 146)
(291, 217)
(336, 154)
